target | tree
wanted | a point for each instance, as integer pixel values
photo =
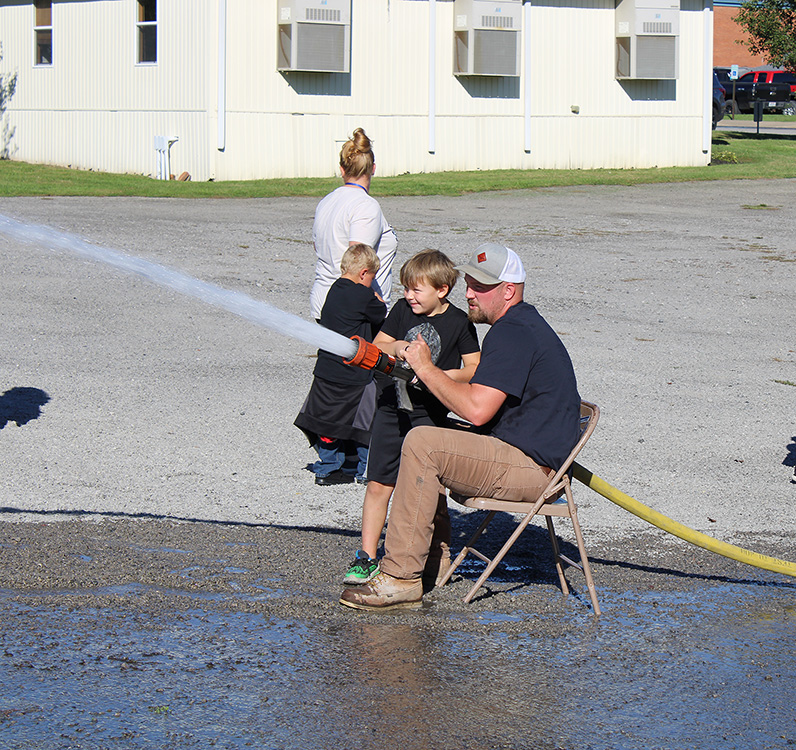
(771, 25)
(8, 86)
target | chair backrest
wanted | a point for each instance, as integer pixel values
(589, 414)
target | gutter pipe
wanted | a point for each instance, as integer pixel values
(432, 76)
(222, 74)
(527, 82)
(707, 77)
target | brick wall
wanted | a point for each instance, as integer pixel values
(726, 50)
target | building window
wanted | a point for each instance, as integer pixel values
(43, 29)
(147, 29)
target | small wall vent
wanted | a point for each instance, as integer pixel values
(497, 22)
(657, 28)
(323, 14)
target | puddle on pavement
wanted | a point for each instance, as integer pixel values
(709, 669)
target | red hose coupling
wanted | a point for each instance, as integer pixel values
(366, 356)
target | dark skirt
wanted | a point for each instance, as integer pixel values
(336, 410)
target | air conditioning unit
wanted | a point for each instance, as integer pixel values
(647, 39)
(486, 37)
(314, 35)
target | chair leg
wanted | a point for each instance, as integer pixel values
(455, 564)
(503, 550)
(467, 549)
(557, 555)
(584, 561)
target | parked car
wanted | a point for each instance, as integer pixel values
(718, 101)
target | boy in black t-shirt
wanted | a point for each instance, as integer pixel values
(338, 411)
(427, 279)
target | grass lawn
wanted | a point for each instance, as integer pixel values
(735, 156)
(766, 118)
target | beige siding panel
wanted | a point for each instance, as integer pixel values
(94, 58)
(605, 143)
(96, 108)
(112, 141)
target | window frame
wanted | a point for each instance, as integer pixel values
(42, 30)
(146, 48)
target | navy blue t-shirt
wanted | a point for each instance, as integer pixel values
(523, 357)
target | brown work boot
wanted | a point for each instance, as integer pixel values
(384, 592)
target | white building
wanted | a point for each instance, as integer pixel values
(271, 88)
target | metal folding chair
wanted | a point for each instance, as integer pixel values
(555, 501)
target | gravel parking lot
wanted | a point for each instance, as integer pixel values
(675, 302)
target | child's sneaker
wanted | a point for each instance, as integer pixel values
(362, 569)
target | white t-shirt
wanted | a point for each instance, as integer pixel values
(347, 215)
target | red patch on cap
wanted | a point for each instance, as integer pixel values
(481, 257)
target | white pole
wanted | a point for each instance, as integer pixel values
(527, 73)
(432, 76)
(222, 74)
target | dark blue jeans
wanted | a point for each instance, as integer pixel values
(340, 454)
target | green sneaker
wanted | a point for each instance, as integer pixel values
(362, 569)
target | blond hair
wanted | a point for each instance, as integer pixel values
(356, 156)
(431, 267)
(357, 257)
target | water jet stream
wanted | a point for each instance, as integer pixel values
(256, 311)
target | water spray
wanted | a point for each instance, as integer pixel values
(238, 303)
(354, 351)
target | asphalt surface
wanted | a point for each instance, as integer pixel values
(169, 572)
(678, 320)
(765, 127)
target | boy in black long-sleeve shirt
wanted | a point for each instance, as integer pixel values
(337, 414)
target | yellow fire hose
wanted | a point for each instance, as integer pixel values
(601, 487)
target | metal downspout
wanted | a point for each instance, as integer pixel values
(432, 76)
(222, 74)
(527, 73)
(707, 76)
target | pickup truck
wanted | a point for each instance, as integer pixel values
(778, 76)
(775, 95)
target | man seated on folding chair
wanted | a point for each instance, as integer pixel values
(523, 400)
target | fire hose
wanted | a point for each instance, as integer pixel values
(370, 357)
(601, 487)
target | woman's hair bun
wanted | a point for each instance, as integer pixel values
(356, 156)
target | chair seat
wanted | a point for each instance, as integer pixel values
(556, 507)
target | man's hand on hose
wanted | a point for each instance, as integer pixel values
(418, 355)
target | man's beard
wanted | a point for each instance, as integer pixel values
(476, 315)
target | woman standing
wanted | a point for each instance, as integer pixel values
(349, 216)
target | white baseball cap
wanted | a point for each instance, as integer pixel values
(491, 264)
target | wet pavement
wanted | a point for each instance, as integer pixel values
(126, 633)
